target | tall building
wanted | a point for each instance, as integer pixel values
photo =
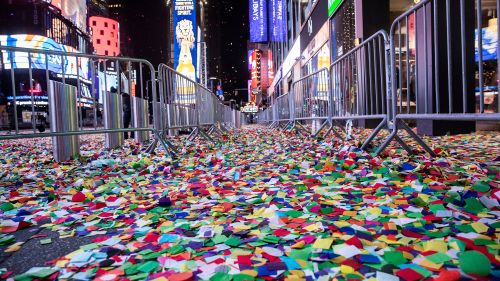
(214, 38)
(118, 11)
(98, 8)
(105, 36)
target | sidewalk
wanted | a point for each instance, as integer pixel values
(263, 205)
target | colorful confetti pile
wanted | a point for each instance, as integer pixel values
(261, 206)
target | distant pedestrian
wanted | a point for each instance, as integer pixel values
(12, 122)
(41, 122)
(127, 114)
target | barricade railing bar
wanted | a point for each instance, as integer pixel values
(427, 68)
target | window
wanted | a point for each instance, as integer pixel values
(106, 53)
(102, 32)
(109, 43)
(105, 24)
(114, 27)
(94, 23)
(98, 41)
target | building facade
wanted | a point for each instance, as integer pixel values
(105, 36)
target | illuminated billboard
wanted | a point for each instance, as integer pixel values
(55, 63)
(74, 10)
(105, 36)
(256, 87)
(250, 108)
(277, 25)
(185, 47)
(490, 43)
(258, 20)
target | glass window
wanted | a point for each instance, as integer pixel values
(343, 30)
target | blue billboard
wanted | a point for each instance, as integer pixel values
(185, 43)
(490, 44)
(277, 21)
(258, 21)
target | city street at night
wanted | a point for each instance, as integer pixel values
(222, 140)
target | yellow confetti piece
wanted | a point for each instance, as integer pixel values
(479, 227)
(252, 273)
(436, 245)
(299, 245)
(345, 269)
(350, 213)
(323, 243)
(311, 227)
(14, 247)
(430, 265)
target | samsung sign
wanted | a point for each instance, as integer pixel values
(258, 21)
(315, 21)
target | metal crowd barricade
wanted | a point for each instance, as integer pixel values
(435, 78)
(185, 104)
(177, 100)
(309, 99)
(360, 84)
(282, 109)
(64, 91)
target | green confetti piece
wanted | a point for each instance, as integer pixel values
(474, 262)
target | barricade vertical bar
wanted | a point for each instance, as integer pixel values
(47, 80)
(358, 83)
(417, 56)
(480, 53)
(370, 74)
(426, 77)
(464, 62)
(377, 79)
(31, 91)
(448, 52)
(408, 78)
(498, 58)
(400, 64)
(436, 58)
(79, 94)
(95, 102)
(381, 73)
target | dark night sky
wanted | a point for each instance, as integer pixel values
(234, 44)
(147, 28)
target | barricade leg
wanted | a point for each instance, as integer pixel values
(113, 119)
(141, 118)
(63, 116)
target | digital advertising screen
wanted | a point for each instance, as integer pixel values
(74, 10)
(277, 21)
(185, 47)
(55, 63)
(490, 43)
(258, 20)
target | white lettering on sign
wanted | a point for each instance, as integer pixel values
(184, 7)
(255, 10)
